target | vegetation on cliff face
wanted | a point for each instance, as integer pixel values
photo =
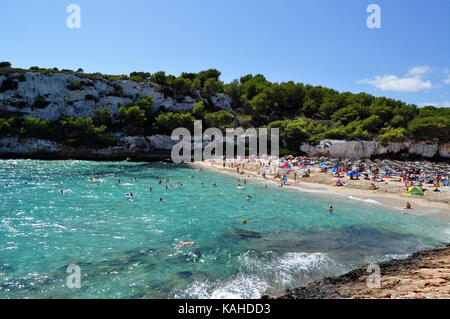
(304, 113)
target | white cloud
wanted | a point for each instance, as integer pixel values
(411, 82)
(447, 80)
(394, 83)
(419, 71)
(437, 104)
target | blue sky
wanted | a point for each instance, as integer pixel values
(320, 42)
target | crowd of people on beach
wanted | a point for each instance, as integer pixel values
(289, 169)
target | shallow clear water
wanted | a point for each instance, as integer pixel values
(128, 249)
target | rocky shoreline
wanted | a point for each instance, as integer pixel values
(424, 274)
(133, 148)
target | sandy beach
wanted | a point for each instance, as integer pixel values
(390, 193)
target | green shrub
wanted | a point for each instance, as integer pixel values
(199, 110)
(75, 85)
(159, 78)
(90, 97)
(40, 102)
(83, 132)
(167, 122)
(102, 117)
(213, 86)
(8, 84)
(430, 128)
(134, 119)
(4, 127)
(392, 135)
(5, 64)
(182, 86)
(37, 127)
(338, 133)
(118, 91)
(219, 119)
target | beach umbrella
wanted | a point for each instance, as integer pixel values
(352, 173)
(252, 159)
(303, 171)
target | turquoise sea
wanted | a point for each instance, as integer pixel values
(128, 248)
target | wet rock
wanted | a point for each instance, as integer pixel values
(247, 234)
(185, 274)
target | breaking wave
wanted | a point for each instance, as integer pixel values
(258, 275)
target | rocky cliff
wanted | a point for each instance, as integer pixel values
(368, 149)
(156, 147)
(49, 96)
(52, 95)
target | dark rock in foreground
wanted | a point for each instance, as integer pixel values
(425, 274)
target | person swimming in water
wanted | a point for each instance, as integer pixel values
(330, 209)
(61, 191)
(160, 199)
(249, 197)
